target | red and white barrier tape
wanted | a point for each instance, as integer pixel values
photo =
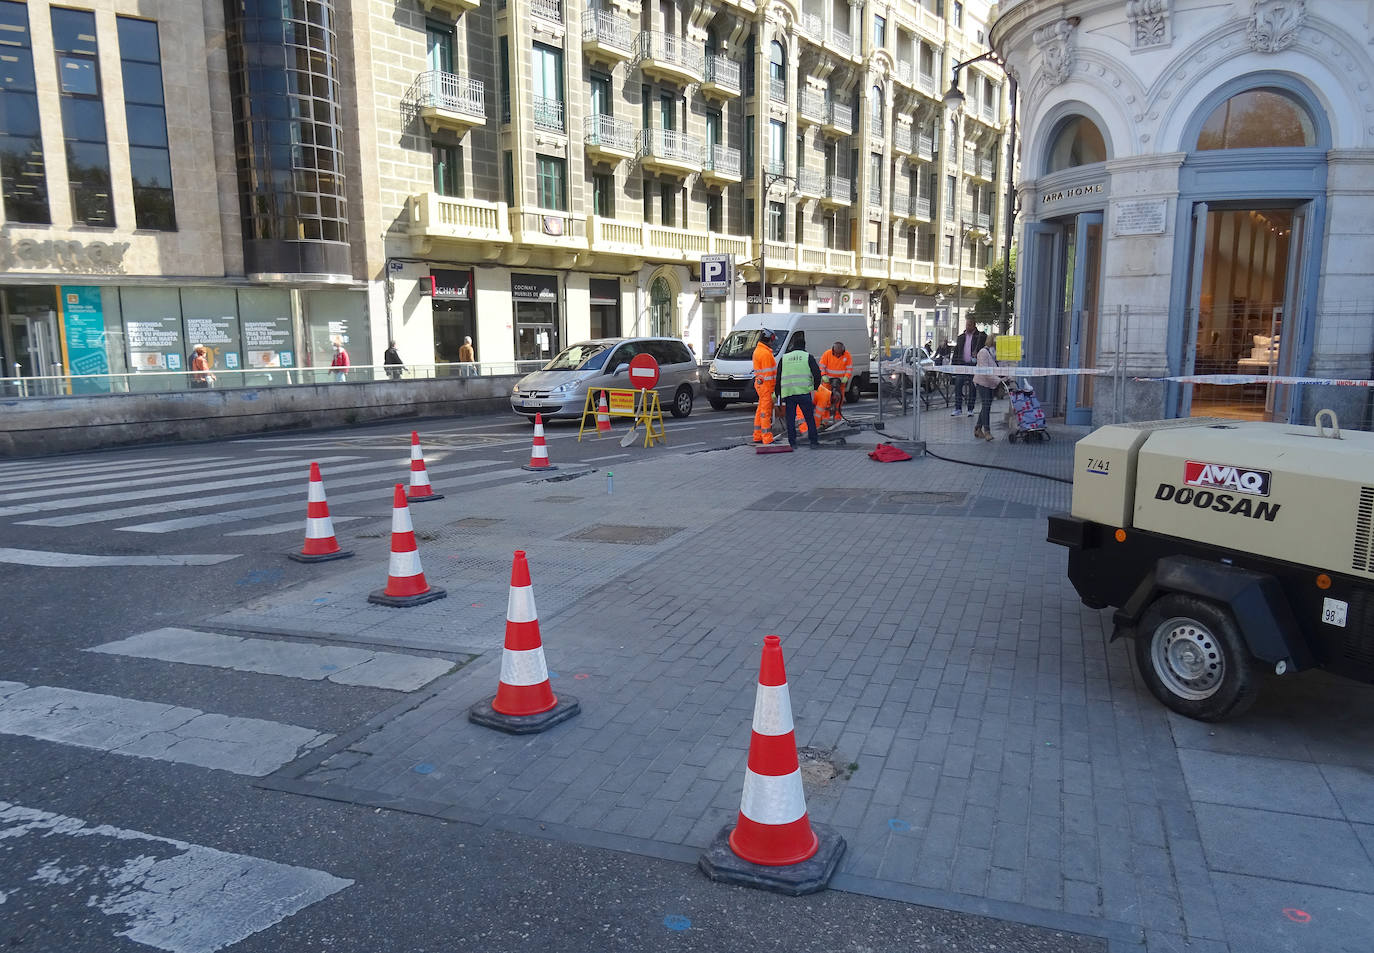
(1255, 379)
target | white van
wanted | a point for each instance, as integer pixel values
(730, 377)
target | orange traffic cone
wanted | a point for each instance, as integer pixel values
(405, 581)
(320, 544)
(603, 416)
(420, 490)
(539, 453)
(524, 702)
(773, 844)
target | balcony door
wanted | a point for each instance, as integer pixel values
(439, 47)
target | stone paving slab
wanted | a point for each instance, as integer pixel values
(989, 745)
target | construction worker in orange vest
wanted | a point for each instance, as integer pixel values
(765, 380)
(837, 368)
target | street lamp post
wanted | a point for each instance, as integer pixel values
(770, 179)
(954, 99)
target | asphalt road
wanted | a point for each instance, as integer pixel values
(347, 878)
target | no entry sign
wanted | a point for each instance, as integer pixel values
(643, 372)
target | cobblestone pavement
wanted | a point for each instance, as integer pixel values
(969, 729)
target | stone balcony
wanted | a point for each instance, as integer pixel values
(607, 37)
(607, 139)
(446, 101)
(722, 77)
(721, 165)
(669, 57)
(669, 151)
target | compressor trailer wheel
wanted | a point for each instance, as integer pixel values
(1193, 659)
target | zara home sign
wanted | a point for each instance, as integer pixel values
(1075, 192)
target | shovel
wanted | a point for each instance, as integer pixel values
(630, 437)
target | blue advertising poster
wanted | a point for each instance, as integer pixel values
(83, 321)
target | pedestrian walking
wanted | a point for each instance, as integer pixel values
(799, 375)
(765, 379)
(200, 368)
(467, 357)
(392, 359)
(340, 363)
(987, 387)
(966, 348)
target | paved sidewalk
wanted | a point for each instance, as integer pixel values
(990, 751)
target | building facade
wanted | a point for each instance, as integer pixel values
(1211, 168)
(269, 178)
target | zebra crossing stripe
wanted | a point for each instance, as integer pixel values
(46, 472)
(122, 479)
(272, 529)
(335, 663)
(45, 505)
(163, 893)
(127, 726)
(52, 560)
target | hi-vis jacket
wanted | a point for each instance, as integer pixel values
(765, 366)
(841, 367)
(800, 373)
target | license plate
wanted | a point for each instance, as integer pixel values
(729, 393)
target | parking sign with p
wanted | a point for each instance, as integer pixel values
(717, 272)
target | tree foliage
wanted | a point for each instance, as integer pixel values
(988, 307)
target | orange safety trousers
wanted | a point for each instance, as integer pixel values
(763, 417)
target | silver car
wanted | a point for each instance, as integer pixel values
(560, 387)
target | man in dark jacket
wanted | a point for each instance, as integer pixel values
(798, 376)
(966, 348)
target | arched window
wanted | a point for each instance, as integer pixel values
(662, 321)
(875, 111)
(1258, 119)
(777, 72)
(1078, 142)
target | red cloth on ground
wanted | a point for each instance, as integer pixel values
(887, 453)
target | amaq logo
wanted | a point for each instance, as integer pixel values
(1221, 476)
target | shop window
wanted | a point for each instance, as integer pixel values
(1258, 119)
(1078, 142)
(23, 175)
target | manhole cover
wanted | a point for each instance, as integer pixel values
(818, 766)
(632, 535)
(474, 522)
(923, 496)
(560, 499)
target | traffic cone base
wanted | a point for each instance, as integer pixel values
(320, 557)
(539, 451)
(423, 497)
(482, 713)
(723, 865)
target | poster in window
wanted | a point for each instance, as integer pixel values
(220, 335)
(154, 342)
(267, 342)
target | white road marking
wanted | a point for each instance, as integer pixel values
(614, 456)
(684, 446)
(44, 505)
(121, 479)
(233, 516)
(52, 560)
(295, 526)
(153, 730)
(163, 893)
(334, 663)
(49, 472)
(204, 502)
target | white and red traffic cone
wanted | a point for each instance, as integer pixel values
(405, 581)
(603, 415)
(524, 702)
(320, 543)
(420, 489)
(773, 844)
(539, 453)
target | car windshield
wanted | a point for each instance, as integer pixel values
(579, 357)
(739, 345)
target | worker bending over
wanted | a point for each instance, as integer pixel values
(837, 369)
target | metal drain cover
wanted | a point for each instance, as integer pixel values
(923, 496)
(630, 535)
(475, 522)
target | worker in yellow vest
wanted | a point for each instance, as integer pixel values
(799, 375)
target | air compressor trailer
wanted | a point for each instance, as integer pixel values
(1228, 548)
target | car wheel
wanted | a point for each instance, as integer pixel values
(1194, 660)
(716, 404)
(682, 402)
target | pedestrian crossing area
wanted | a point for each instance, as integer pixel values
(157, 891)
(261, 494)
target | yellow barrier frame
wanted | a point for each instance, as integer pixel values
(645, 408)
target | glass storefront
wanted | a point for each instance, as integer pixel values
(454, 320)
(535, 298)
